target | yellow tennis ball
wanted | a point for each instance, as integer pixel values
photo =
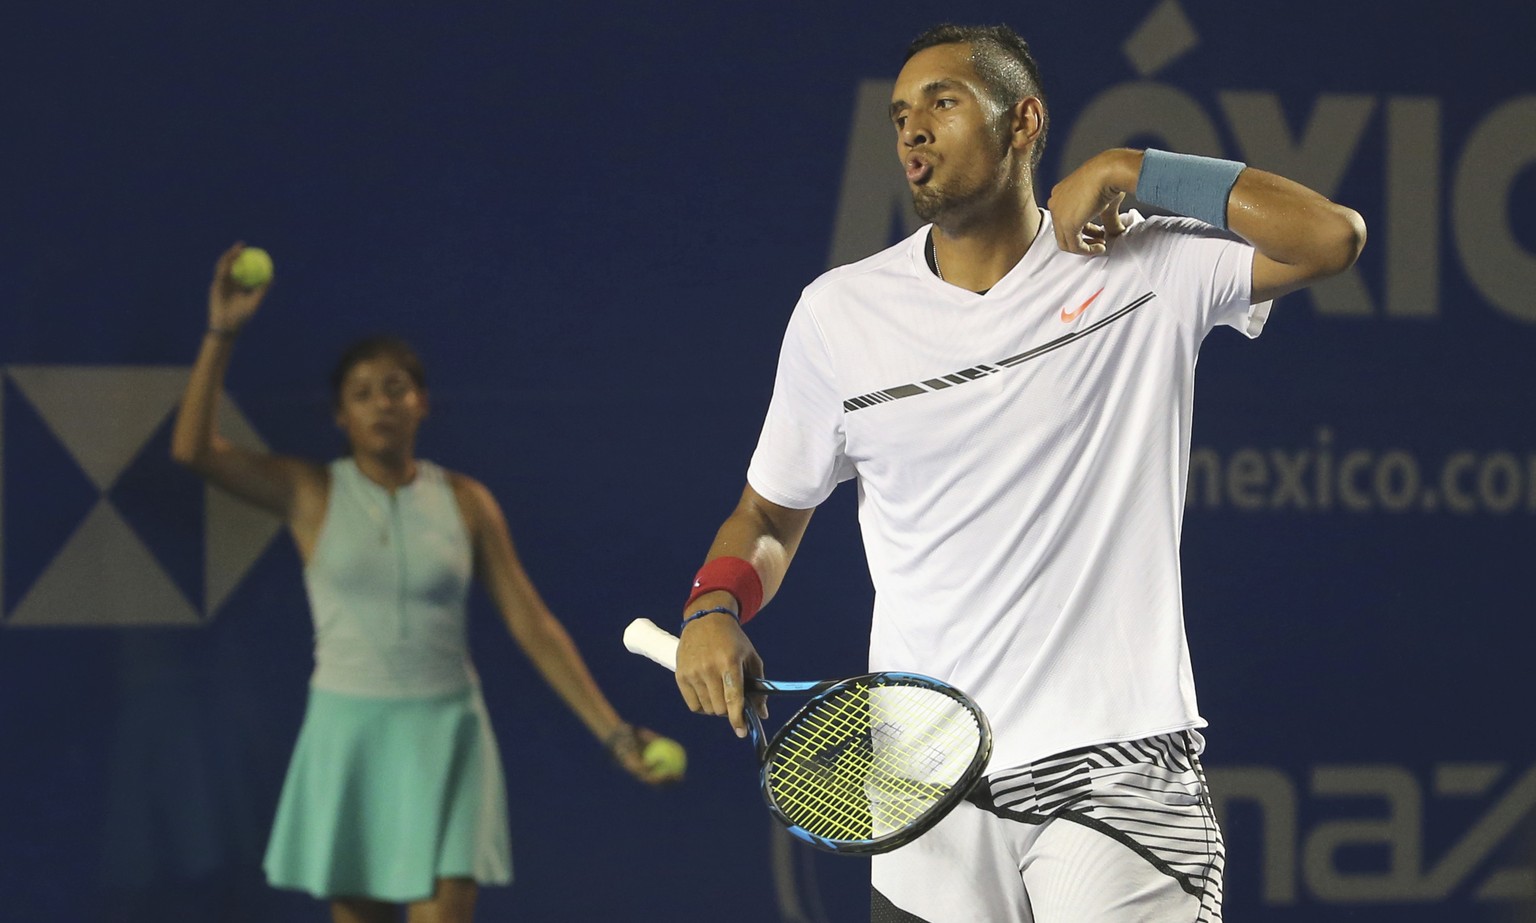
(665, 756)
(252, 268)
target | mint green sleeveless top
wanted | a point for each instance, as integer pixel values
(387, 587)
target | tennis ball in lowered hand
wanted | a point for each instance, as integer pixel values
(252, 268)
(666, 757)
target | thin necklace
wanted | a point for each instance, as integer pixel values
(933, 250)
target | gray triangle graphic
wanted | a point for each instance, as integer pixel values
(1163, 37)
(102, 414)
(103, 577)
(234, 532)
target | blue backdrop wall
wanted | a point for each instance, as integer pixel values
(594, 220)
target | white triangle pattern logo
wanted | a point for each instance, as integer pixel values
(104, 575)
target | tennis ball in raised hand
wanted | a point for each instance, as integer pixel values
(252, 268)
(665, 756)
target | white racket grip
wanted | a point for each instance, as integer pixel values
(646, 638)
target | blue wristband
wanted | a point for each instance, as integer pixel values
(703, 612)
(1189, 185)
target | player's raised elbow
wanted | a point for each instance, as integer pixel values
(1339, 238)
(189, 451)
(186, 453)
(1325, 244)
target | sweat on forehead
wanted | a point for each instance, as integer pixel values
(1000, 56)
(931, 88)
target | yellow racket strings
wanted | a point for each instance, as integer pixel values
(870, 761)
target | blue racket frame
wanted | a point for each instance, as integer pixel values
(822, 690)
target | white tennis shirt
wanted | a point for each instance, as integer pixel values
(1021, 459)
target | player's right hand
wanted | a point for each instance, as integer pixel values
(714, 661)
(1085, 205)
(230, 304)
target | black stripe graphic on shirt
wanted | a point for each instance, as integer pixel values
(983, 370)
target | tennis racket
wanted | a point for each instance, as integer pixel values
(869, 763)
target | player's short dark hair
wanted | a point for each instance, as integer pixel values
(381, 346)
(1003, 61)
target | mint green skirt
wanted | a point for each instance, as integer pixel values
(385, 796)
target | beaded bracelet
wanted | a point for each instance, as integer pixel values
(703, 612)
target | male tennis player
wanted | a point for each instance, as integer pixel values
(1012, 389)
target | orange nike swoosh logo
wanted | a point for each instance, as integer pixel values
(1069, 317)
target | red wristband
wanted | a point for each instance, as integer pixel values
(735, 576)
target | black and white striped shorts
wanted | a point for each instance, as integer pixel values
(1119, 831)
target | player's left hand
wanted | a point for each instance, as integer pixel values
(1085, 206)
(629, 751)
